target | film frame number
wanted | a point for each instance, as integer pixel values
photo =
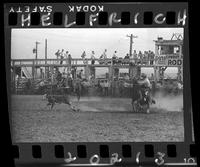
(189, 160)
(160, 160)
(94, 160)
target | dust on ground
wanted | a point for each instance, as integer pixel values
(100, 120)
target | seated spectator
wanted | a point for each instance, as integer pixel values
(126, 59)
(127, 56)
(79, 75)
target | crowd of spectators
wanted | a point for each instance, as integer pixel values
(142, 58)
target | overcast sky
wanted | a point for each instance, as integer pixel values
(77, 40)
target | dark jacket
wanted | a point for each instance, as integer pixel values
(136, 94)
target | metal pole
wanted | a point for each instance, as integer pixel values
(130, 52)
(45, 51)
(36, 56)
(46, 68)
(131, 44)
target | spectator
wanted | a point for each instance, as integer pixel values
(104, 54)
(83, 57)
(114, 58)
(101, 57)
(132, 59)
(152, 56)
(73, 72)
(126, 59)
(92, 58)
(61, 59)
(62, 52)
(145, 57)
(127, 56)
(66, 56)
(59, 76)
(106, 86)
(121, 88)
(79, 75)
(69, 59)
(149, 57)
(61, 56)
(134, 54)
(140, 56)
(57, 54)
(28, 86)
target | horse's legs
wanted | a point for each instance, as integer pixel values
(78, 96)
(52, 104)
(134, 104)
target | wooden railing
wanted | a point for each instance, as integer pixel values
(83, 62)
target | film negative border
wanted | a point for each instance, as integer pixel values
(167, 15)
(36, 19)
(106, 154)
(96, 15)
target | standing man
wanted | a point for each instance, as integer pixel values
(61, 59)
(140, 56)
(83, 57)
(114, 58)
(152, 56)
(92, 57)
(66, 59)
(121, 88)
(105, 54)
(106, 86)
(57, 55)
(70, 60)
(61, 56)
(66, 56)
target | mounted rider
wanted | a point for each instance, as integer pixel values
(145, 87)
(144, 82)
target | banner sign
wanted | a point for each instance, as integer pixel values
(169, 60)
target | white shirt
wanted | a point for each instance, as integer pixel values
(92, 56)
(146, 82)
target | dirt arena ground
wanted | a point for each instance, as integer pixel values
(100, 120)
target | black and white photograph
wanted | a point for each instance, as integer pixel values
(97, 85)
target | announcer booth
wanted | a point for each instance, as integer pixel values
(168, 53)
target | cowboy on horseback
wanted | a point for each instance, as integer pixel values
(141, 93)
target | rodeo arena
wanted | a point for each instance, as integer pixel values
(64, 100)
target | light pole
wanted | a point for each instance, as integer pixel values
(131, 43)
(35, 50)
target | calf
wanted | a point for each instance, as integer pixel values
(53, 99)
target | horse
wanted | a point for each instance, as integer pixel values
(78, 88)
(141, 98)
(136, 95)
